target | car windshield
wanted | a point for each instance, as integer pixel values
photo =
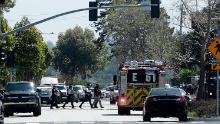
(45, 92)
(77, 88)
(165, 92)
(60, 87)
(16, 87)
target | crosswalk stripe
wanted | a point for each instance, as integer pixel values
(87, 122)
(197, 122)
(32, 123)
(60, 122)
(115, 122)
(142, 122)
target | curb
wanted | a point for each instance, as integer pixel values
(204, 119)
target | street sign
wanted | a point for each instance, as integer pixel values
(214, 48)
(216, 66)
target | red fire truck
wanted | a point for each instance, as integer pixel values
(134, 80)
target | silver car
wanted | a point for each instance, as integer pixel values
(80, 91)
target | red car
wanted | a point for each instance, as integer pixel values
(165, 102)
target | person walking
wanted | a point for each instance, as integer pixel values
(70, 97)
(97, 96)
(88, 96)
(54, 97)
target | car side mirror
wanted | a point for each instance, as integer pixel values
(115, 79)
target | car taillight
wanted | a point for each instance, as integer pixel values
(181, 99)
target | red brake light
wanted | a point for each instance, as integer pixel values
(122, 100)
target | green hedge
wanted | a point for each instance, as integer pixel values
(203, 108)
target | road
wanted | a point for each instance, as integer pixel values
(107, 115)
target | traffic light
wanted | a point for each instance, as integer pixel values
(2, 55)
(155, 10)
(211, 83)
(2, 1)
(10, 59)
(93, 13)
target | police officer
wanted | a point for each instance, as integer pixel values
(88, 96)
(54, 97)
(97, 96)
(70, 97)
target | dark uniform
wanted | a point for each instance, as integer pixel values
(97, 96)
(70, 97)
(54, 97)
(88, 96)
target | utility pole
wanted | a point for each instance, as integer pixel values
(181, 18)
(196, 5)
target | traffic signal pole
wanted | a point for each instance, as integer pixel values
(217, 92)
(69, 12)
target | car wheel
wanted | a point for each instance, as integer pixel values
(120, 111)
(8, 113)
(183, 118)
(146, 118)
(128, 112)
(37, 111)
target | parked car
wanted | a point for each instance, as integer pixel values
(80, 91)
(21, 97)
(106, 91)
(165, 102)
(45, 94)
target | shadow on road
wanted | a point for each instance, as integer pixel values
(121, 115)
(21, 116)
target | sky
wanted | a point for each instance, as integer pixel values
(36, 10)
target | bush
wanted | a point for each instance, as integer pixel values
(203, 108)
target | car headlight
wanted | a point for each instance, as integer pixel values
(8, 98)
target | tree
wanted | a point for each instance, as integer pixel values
(201, 25)
(32, 54)
(133, 35)
(76, 53)
(7, 43)
(5, 7)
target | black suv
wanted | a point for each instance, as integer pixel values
(21, 97)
